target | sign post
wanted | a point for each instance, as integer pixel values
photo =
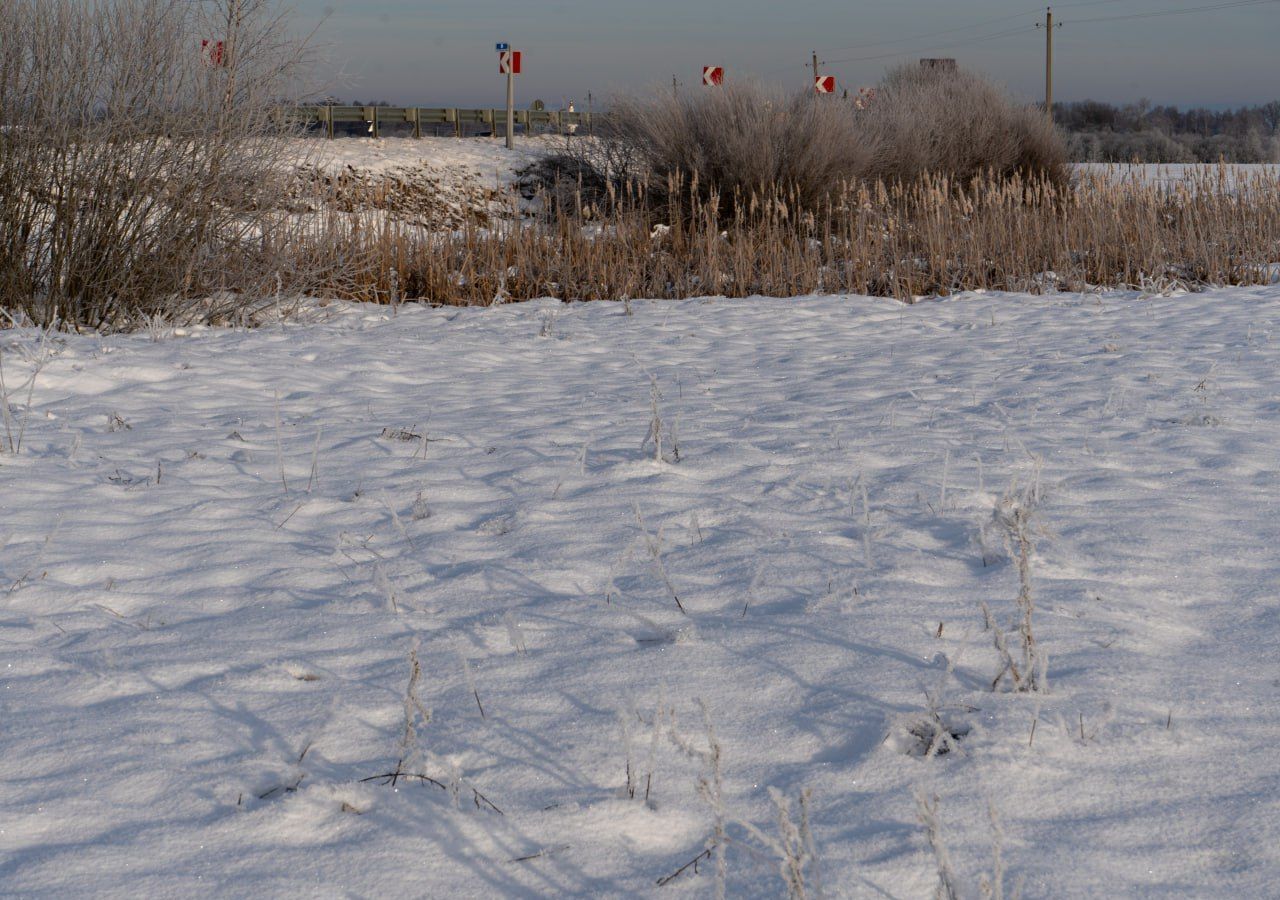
(509, 65)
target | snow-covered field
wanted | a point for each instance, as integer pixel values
(1175, 173)
(221, 550)
(491, 161)
(485, 157)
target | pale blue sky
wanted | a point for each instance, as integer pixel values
(441, 53)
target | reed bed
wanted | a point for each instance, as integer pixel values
(931, 236)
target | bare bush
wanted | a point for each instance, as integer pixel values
(734, 144)
(135, 179)
(743, 144)
(956, 123)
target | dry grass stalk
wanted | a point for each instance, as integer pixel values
(931, 236)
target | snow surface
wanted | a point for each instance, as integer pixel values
(473, 157)
(1173, 173)
(201, 662)
(491, 161)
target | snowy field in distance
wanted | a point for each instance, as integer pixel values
(218, 551)
(493, 163)
(1173, 173)
(483, 162)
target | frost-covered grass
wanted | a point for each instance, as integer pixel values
(225, 555)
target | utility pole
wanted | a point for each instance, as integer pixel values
(1048, 27)
(815, 65)
(511, 103)
(675, 88)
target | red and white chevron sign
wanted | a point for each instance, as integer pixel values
(509, 62)
(824, 84)
(212, 53)
(713, 76)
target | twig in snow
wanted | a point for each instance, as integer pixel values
(471, 683)
(546, 851)
(927, 813)
(654, 543)
(667, 879)
(280, 445)
(315, 458)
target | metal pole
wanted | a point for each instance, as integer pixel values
(511, 103)
(815, 70)
(1048, 61)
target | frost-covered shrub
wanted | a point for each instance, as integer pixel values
(743, 142)
(136, 179)
(956, 123)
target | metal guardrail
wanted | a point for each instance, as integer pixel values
(375, 117)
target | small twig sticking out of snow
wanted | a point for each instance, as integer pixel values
(751, 588)
(545, 851)
(656, 427)
(5, 413)
(624, 720)
(627, 717)
(280, 445)
(471, 683)
(1015, 515)
(514, 634)
(927, 814)
(399, 526)
(421, 510)
(654, 543)
(946, 470)
(655, 422)
(667, 879)
(384, 586)
(548, 328)
(35, 563)
(415, 714)
(314, 477)
(695, 526)
(711, 789)
(866, 523)
(794, 846)
(992, 885)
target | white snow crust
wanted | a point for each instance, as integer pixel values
(206, 638)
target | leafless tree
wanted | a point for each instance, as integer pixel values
(137, 174)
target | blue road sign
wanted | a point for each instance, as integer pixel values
(503, 46)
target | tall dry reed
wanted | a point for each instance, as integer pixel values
(931, 236)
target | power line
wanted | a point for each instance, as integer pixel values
(929, 34)
(1233, 4)
(1173, 12)
(977, 40)
(1086, 3)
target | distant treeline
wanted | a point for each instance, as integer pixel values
(1100, 132)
